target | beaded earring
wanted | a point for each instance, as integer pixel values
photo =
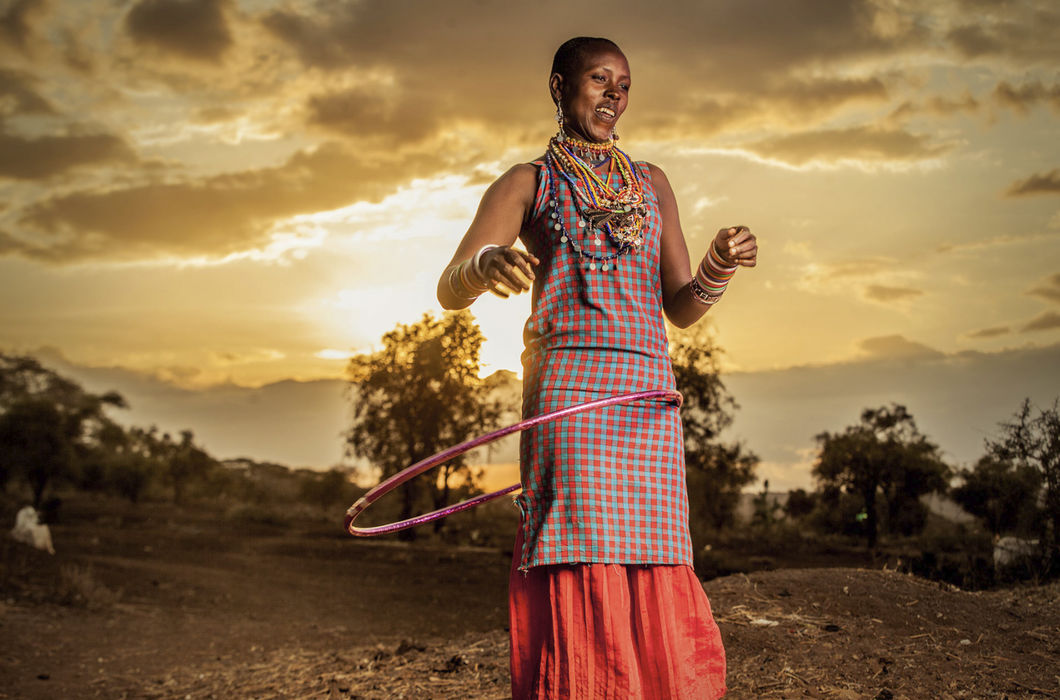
(559, 120)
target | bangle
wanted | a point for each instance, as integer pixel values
(454, 290)
(476, 263)
(701, 295)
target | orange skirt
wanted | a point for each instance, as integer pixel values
(603, 631)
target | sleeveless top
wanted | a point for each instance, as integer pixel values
(607, 485)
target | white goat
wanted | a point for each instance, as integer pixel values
(29, 530)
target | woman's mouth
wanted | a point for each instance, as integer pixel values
(605, 113)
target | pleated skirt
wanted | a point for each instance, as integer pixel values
(612, 632)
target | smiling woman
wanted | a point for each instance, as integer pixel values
(603, 601)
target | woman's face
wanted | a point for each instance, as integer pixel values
(596, 95)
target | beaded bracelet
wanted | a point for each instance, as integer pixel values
(701, 295)
(713, 273)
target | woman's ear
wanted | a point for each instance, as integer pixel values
(555, 87)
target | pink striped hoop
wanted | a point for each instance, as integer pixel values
(418, 468)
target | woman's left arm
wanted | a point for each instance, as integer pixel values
(735, 245)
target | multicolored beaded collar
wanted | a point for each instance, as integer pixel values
(620, 214)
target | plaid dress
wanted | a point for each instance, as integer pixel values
(605, 486)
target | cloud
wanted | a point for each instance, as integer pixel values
(938, 106)
(886, 295)
(18, 94)
(192, 29)
(896, 347)
(213, 216)
(1047, 183)
(994, 242)
(372, 111)
(862, 143)
(1021, 98)
(1023, 33)
(1045, 321)
(992, 332)
(752, 64)
(1049, 289)
(16, 28)
(23, 158)
(878, 279)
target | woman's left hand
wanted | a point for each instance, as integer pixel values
(737, 246)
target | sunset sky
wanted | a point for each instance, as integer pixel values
(214, 195)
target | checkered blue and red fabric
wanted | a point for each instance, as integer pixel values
(606, 486)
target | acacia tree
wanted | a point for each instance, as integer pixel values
(1003, 494)
(48, 424)
(1033, 442)
(884, 457)
(185, 462)
(417, 395)
(717, 472)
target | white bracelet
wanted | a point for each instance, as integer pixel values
(475, 263)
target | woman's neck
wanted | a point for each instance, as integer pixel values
(589, 151)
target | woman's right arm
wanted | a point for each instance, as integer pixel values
(506, 205)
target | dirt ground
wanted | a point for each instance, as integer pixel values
(153, 602)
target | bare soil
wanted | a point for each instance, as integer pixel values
(156, 602)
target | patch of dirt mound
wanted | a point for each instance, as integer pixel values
(852, 633)
(475, 666)
(849, 634)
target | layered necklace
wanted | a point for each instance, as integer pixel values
(618, 214)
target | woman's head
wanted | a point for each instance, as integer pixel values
(590, 84)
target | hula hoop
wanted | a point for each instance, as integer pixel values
(418, 468)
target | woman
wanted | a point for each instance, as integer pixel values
(603, 601)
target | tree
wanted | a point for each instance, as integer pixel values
(886, 458)
(328, 490)
(717, 472)
(185, 462)
(64, 419)
(35, 444)
(1003, 494)
(799, 504)
(1033, 442)
(417, 395)
(765, 508)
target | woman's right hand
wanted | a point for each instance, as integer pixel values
(507, 270)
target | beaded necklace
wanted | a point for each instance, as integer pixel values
(620, 214)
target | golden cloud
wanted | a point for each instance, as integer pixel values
(897, 347)
(721, 55)
(16, 28)
(211, 216)
(193, 29)
(1046, 183)
(23, 158)
(1024, 33)
(1045, 321)
(861, 143)
(18, 94)
(1022, 97)
(885, 294)
(937, 105)
(991, 332)
(1049, 289)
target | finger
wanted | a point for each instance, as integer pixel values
(524, 266)
(506, 275)
(741, 234)
(743, 249)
